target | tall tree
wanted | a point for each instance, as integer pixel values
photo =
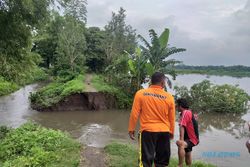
(18, 20)
(45, 41)
(120, 37)
(77, 9)
(95, 52)
(71, 46)
(158, 52)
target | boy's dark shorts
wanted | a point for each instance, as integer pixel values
(190, 145)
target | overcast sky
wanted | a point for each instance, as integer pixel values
(214, 32)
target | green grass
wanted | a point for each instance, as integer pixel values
(36, 146)
(38, 74)
(57, 91)
(7, 87)
(125, 155)
(124, 100)
(101, 85)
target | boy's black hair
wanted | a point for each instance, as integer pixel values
(182, 103)
(157, 77)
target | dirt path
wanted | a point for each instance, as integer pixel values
(88, 85)
(93, 157)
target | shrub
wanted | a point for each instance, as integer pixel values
(7, 87)
(37, 74)
(124, 100)
(3, 131)
(205, 96)
(33, 145)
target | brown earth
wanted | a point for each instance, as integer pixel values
(84, 102)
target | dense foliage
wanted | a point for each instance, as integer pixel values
(124, 155)
(56, 91)
(19, 20)
(119, 37)
(7, 87)
(151, 58)
(139, 68)
(33, 145)
(205, 96)
(95, 52)
(158, 52)
(235, 71)
(71, 47)
(124, 100)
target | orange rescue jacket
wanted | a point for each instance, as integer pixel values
(156, 110)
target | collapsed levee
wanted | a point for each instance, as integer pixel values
(83, 102)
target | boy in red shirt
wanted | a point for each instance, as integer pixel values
(189, 136)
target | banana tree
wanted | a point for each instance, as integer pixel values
(158, 52)
(139, 68)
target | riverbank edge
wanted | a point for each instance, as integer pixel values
(71, 95)
(8, 87)
(33, 144)
(121, 154)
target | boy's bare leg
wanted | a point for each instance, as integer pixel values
(248, 145)
(188, 158)
(248, 142)
(181, 151)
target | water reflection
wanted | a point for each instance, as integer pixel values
(219, 132)
(231, 123)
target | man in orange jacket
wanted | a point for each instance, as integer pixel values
(156, 111)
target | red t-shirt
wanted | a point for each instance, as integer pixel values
(186, 121)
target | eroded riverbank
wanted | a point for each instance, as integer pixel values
(226, 133)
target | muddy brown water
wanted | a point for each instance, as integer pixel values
(219, 133)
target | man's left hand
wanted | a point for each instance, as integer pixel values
(132, 135)
(171, 136)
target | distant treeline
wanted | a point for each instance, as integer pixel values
(235, 71)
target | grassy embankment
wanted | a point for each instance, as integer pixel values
(57, 91)
(124, 155)
(33, 145)
(7, 87)
(124, 100)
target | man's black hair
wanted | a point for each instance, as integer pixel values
(182, 103)
(157, 78)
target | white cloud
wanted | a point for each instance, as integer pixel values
(213, 31)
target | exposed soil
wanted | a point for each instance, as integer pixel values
(84, 102)
(93, 157)
(91, 99)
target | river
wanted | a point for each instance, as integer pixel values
(219, 133)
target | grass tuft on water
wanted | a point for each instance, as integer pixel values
(125, 155)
